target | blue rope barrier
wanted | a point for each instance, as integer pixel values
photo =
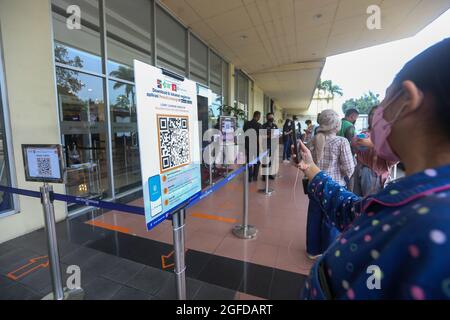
(128, 208)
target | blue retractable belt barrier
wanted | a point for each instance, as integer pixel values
(124, 207)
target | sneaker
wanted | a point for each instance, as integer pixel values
(286, 161)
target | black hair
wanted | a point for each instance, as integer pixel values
(308, 122)
(295, 118)
(256, 114)
(349, 112)
(430, 72)
(269, 114)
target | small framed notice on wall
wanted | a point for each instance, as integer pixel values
(43, 162)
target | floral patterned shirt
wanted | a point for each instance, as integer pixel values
(394, 245)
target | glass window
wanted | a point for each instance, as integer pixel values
(78, 48)
(128, 25)
(125, 145)
(215, 67)
(198, 61)
(242, 94)
(82, 111)
(170, 42)
(225, 80)
(6, 199)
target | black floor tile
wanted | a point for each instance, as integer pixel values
(35, 241)
(150, 280)
(18, 292)
(100, 264)
(6, 248)
(127, 293)
(256, 280)
(212, 292)
(223, 272)
(83, 234)
(38, 280)
(144, 251)
(124, 271)
(80, 257)
(169, 290)
(196, 262)
(16, 259)
(101, 289)
(286, 285)
(5, 283)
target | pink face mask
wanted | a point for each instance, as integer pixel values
(381, 129)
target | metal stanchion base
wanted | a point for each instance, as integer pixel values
(243, 232)
(268, 193)
(74, 294)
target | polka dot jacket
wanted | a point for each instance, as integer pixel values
(394, 245)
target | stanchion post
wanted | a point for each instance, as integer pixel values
(178, 243)
(53, 254)
(245, 231)
(266, 190)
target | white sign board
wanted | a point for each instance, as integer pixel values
(43, 163)
(168, 140)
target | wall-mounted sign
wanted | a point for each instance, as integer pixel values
(168, 140)
(43, 162)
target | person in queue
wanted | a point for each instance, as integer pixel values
(332, 155)
(287, 140)
(348, 124)
(371, 172)
(268, 127)
(395, 244)
(254, 124)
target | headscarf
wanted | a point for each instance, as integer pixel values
(329, 125)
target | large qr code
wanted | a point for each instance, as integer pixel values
(44, 167)
(173, 141)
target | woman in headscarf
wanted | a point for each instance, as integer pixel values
(333, 155)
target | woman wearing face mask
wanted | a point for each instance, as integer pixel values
(371, 172)
(395, 244)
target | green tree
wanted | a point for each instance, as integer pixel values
(362, 104)
(66, 79)
(125, 73)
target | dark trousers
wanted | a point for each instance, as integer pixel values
(287, 148)
(253, 171)
(320, 233)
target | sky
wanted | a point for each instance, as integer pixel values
(374, 68)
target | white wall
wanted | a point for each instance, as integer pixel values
(30, 83)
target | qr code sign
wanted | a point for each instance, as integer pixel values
(173, 141)
(44, 167)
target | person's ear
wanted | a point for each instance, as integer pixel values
(413, 95)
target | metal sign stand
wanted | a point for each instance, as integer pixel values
(245, 231)
(53, 254)
(178, 224)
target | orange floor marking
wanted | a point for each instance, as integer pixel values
(163, 261)
(32, 265)
(212, 217)
(104, 225)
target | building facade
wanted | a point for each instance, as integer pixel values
(74, 85)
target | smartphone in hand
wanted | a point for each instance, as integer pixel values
(294, 139)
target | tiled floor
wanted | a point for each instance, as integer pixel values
(119, 259)
(279, 218)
